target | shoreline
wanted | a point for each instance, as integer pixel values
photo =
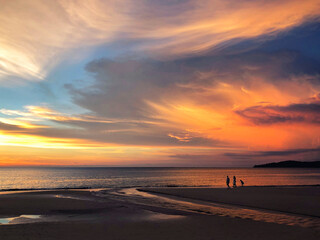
(277, 198)
(140, 186)
(216, 195)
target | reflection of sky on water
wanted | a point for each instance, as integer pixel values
(20, 219)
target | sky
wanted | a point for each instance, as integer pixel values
(212, 83)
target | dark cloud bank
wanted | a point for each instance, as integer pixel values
(293, 113)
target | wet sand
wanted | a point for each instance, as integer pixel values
(70, 214)
(299, 200)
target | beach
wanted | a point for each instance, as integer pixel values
(167, 213)
(292, 199)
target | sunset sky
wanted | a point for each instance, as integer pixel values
(159, 82)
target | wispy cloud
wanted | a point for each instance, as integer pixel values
(53, 30)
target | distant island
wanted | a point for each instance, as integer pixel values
(290, 164)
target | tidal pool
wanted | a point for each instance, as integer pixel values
(19, 219)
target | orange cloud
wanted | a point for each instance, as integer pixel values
(233, 121)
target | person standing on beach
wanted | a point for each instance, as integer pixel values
(228, 181)
(234, 181)
(242, 183)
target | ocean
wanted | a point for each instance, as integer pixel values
(28, 178)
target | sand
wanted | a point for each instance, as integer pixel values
(300, 200)
(81, 215)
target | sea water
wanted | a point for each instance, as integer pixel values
(18, 178)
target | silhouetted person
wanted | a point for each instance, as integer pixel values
(228, 181)
(242, 182)
(234, 181)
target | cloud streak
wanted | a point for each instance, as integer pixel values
(293, 113)
(30, 49)
(290, 154)
(92, 131)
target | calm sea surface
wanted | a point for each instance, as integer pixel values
(43, 178)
